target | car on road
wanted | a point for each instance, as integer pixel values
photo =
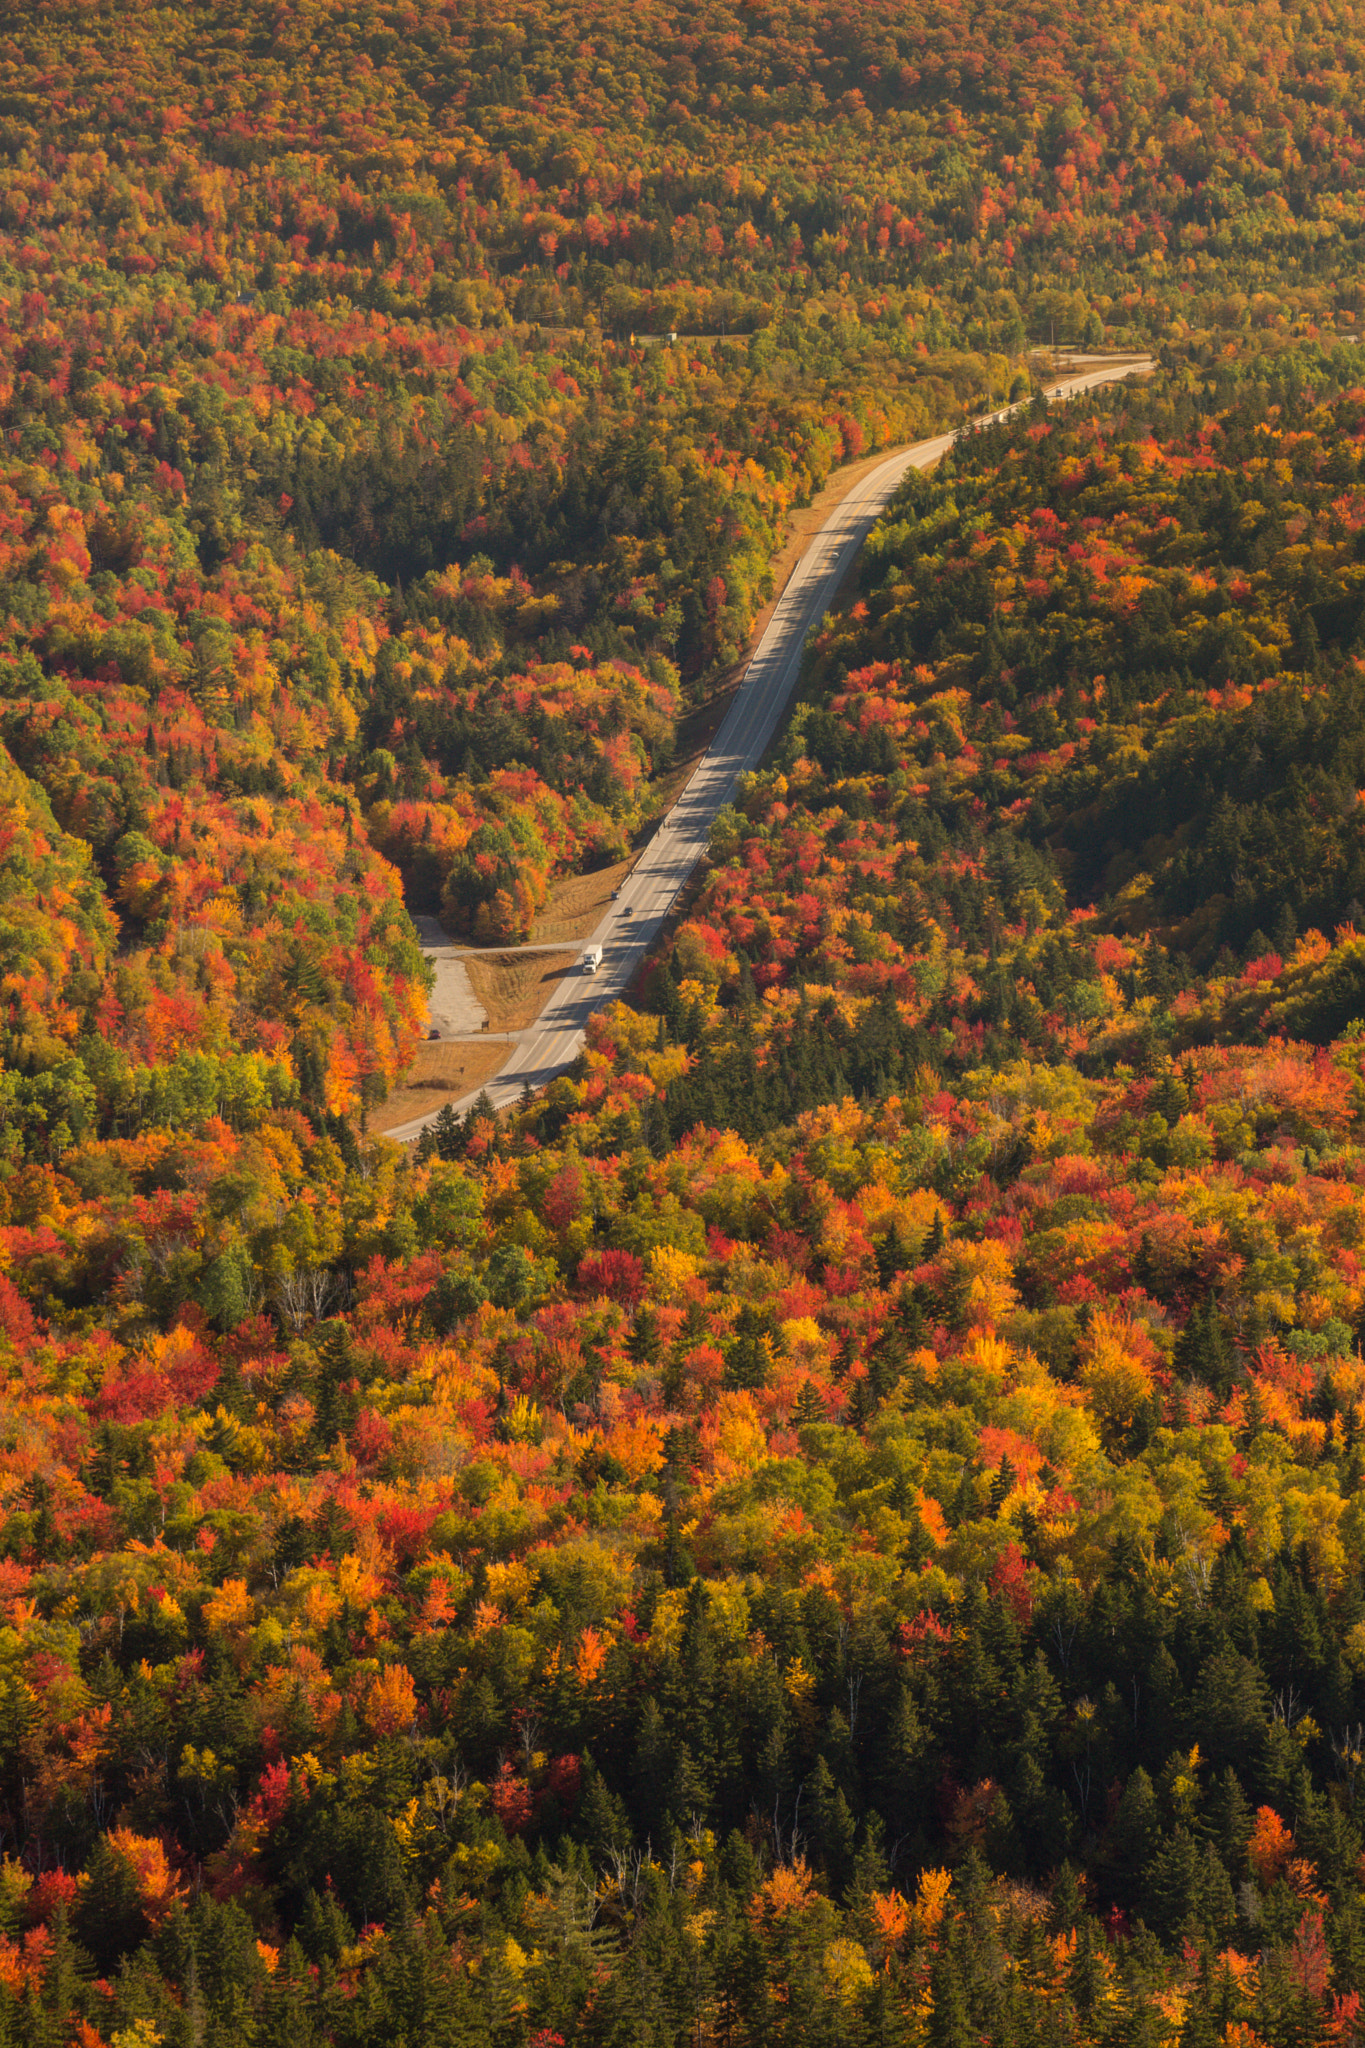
(614, 894)
(626, 910)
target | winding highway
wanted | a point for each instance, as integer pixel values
(633, 923)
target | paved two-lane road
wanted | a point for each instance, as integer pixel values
(633, 923)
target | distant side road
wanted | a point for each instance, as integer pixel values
(631, 925)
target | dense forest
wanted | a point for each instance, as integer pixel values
(842, 1521)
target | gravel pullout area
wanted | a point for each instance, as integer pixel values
(455, 1010)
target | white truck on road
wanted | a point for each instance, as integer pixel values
(592, 959)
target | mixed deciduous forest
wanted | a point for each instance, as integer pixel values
(843, 1520)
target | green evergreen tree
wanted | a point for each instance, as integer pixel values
(1204, 1350)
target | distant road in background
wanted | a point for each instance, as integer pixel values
(634, 922)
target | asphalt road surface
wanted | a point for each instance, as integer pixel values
(633, 923)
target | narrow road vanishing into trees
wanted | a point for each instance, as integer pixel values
(632, 925)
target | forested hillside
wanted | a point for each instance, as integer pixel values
(842, 1521)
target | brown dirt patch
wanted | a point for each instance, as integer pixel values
(440, 1073)
(575, 906)
(515, 987)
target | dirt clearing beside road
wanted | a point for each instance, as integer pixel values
(440, 1073)
(515, 987)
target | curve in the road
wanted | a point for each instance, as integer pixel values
(631, 926)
